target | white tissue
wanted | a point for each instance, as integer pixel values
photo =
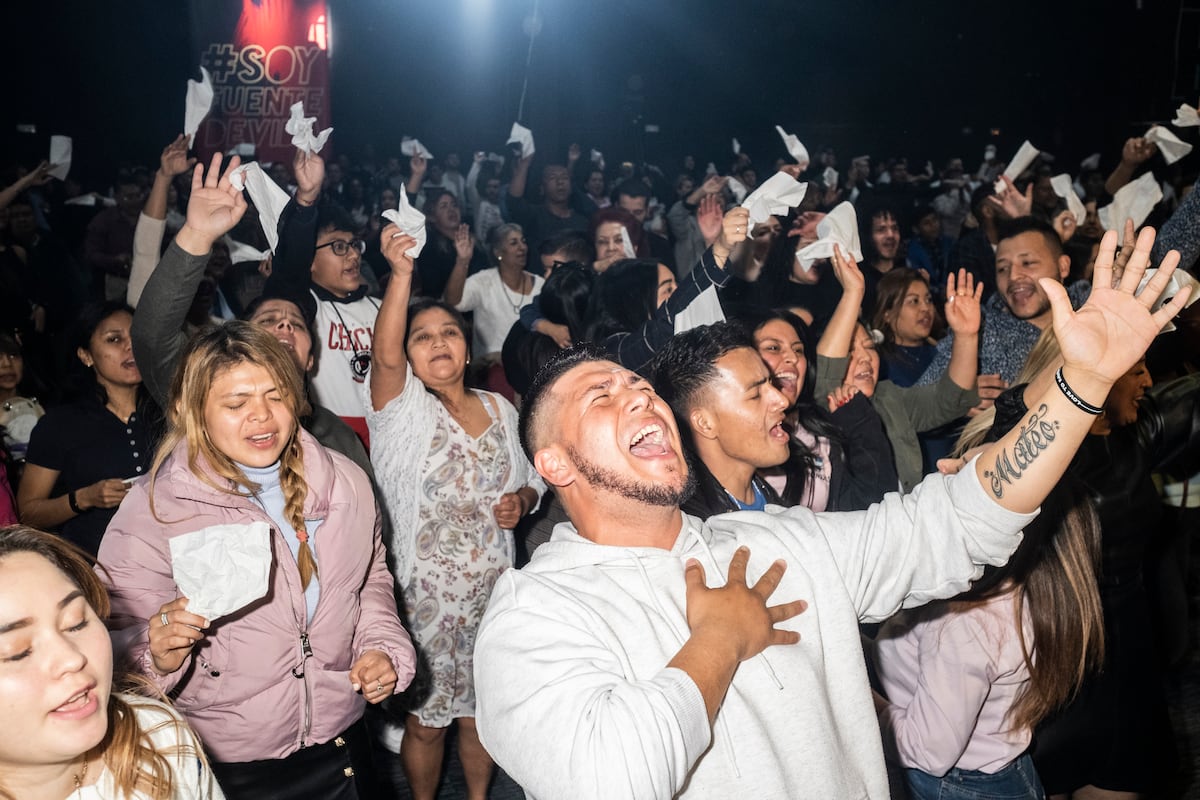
(1171, 146)
(1091, 162)
(1134, 201)
(1179, 280)
(627, 243)
(268, 198)
(711, 169)
(738, 188)
(1063, 187)
(222, 568)
(775, 196)
(60, 157)
(830, 178)
(704, 310)
(411, 147)
(240, 252)
(1186, 117)
(795, 149)
(737, 147)
(839, 227)
(409, 220)
(524, 137)
(196, 104)
(301, 129)
(1026, 154)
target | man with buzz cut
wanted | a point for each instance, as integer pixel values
(644, 653)
(728, 413)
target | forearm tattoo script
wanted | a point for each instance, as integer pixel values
(1035, 436)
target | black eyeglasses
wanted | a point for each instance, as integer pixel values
(341, 247)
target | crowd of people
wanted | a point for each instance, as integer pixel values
(887, 494)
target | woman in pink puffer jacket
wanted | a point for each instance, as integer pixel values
(276, 690)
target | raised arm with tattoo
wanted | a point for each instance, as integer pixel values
(1099, 344)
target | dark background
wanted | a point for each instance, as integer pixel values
(927, 80)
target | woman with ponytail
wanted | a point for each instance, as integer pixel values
(70, 730)
(277, 689)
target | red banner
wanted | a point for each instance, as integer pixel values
(263, 55)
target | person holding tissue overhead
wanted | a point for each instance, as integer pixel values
(276, 687)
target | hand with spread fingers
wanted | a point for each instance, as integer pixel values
(1114, 328)
(737, 613)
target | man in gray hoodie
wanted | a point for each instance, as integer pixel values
(637, 656)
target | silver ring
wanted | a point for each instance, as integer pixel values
(379, 686)
(163, 618)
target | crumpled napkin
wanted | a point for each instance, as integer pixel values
(795, 149)
(301, 129)
(1186, 117)
(240, 252)
(840, 227)
(524, 137)
(60, 157)
(1171, 146)
(1025, 156)
(409, 220)
(196, 104)
(774, 196)
(738, 188)
(1064, 187)
(222, 568)
(704, 310)
(1134, 200)
(411, 147)
(1179, 280)
(268, 198)
(627, 243)
(830, 178)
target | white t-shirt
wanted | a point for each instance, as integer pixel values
(343, 353)
(191, 777)
(496, 308)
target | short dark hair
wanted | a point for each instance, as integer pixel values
(1008, 229)
(534, 400)
(332, 217)
(687, 365)
(572, 243)
(633, 188)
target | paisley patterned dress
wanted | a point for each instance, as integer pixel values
(460, 551)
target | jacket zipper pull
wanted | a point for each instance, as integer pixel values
(306, 650)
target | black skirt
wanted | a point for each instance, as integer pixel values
(339, 769)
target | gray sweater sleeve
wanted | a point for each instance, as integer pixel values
(158, 337)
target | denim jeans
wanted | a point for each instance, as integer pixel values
(1018, 781)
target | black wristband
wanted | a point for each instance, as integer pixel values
(1075, 399)
(71, 502)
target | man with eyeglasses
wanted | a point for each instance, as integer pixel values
(318, 252)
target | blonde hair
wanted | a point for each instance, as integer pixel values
(128, 752)
(207, 355)
(1044, 354)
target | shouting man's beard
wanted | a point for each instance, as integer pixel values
(650, 493)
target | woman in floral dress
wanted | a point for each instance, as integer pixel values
(456, 482)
